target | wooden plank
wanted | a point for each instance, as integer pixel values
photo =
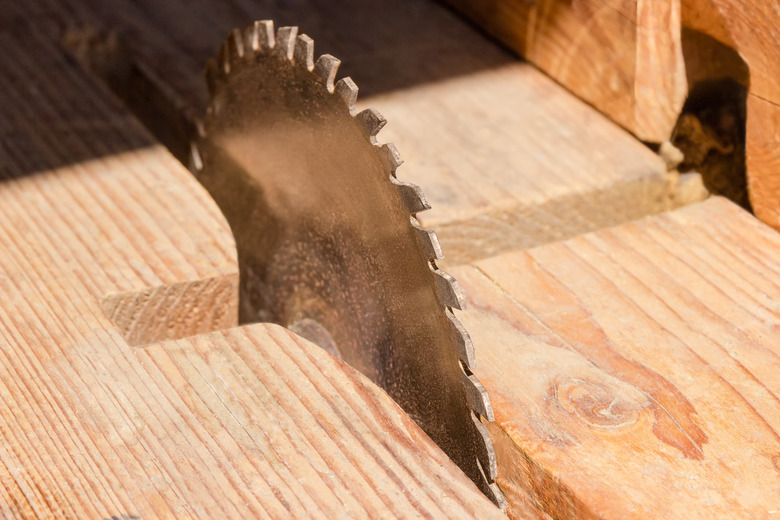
(498, 147)
(633, 371)
(99, 223)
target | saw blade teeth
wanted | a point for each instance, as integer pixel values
(372, 122)
(196, 162)
(412, 196)
(392, 157)
(346, 89)
(235, 46)
(285, 41)
(449, 291)
(303, 53)
(259, 36)
(491, 489)
(326, 68)
(477, 394)
(487, 454)
(463, 339)
(429, 240)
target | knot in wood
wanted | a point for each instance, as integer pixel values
(597, 404)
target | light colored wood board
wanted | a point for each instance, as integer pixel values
(607, 53)
(509, 160)
(633, 371)
(97, 222)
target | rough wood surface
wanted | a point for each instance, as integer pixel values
(99, 223)
(633, 371)
(498, 147)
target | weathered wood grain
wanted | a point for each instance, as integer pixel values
(633, 371)
(507, 157)
(107, 242)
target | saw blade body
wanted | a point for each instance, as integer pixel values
(327, 240)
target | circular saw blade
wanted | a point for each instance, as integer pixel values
(327, 240)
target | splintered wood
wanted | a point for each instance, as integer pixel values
(634, 371)
(98, 223)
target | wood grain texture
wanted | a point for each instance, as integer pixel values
(633, 371)
(637, 61)
(108, 242)
(507, 157)
(608, 53)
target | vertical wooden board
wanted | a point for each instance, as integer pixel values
(763, 158)
(633, 371)
(624, 57)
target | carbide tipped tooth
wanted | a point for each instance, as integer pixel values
(326, 68)
(477, 394)
(196, 162)
(303, 55)
(235, 45)
(486, 454)
(285, 41)
(392, 157)
(371, 121)
(347, 90)
(212, 75)
(449, 290)
(463, 339)
(491, 490)
(259, 36)
(429, 240)
(497, 496)
(411, 195)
